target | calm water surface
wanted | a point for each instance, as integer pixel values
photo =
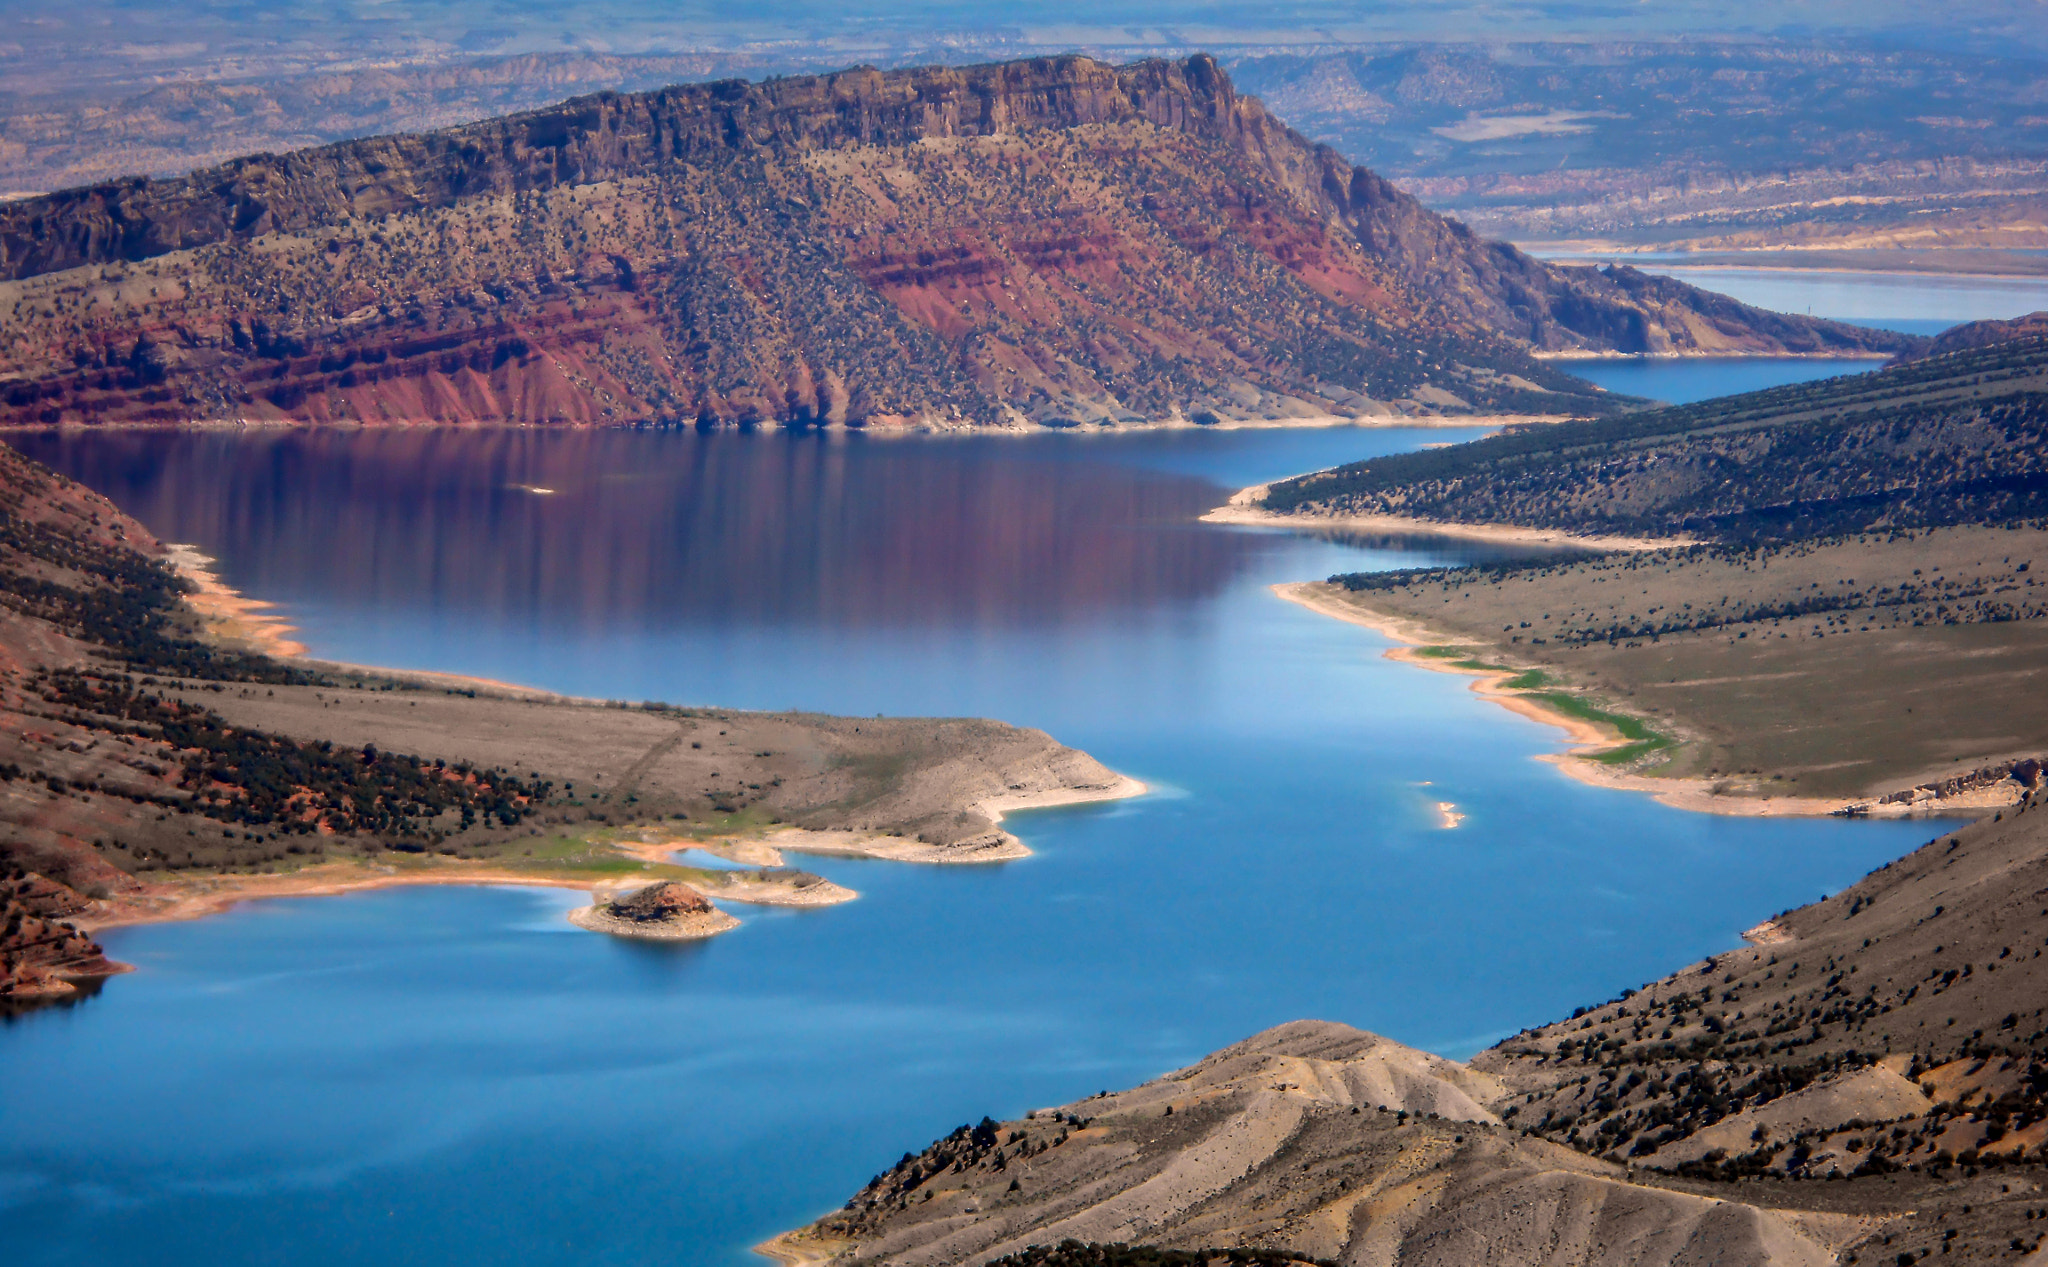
(1683, 381)
(441, 1076)
(1917, 303)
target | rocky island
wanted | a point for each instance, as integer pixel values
(662, 911)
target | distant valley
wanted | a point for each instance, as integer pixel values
(1721, 145)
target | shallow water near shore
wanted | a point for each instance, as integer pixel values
(458, 1075)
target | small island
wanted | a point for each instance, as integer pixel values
(663, 911)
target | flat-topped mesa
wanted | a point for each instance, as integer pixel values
(608, 136)
(1054, 241)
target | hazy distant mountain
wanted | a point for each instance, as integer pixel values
(1703, 144)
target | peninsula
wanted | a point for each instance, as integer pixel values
(156, 764)
(1825, 598)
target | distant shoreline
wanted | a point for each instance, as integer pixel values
(1242, 510)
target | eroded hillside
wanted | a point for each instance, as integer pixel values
(1054, 241)
(1865, 1082)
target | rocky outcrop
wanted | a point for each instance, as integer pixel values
(2023, 774)
(1054, 241)
(43, 955)
(663, 911)
(658, 903)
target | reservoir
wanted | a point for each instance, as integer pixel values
(460, 1076)
(442, 1075)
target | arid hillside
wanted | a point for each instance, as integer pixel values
(1984, 334)
(1055, 241)
(151, 769)
(1865, 1082)
(1953, 439)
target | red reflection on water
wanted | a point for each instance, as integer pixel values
(663, 527)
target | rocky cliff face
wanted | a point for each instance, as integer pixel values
(1055, 241)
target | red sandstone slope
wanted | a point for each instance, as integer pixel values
(1056, 241)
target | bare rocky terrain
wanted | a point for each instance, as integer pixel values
(1864, 1083)
(1052, 242)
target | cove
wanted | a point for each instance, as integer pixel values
(458, 1075)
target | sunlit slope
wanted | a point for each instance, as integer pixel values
(1055, 241)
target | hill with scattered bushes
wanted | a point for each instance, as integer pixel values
(1960, 438)
(1055, 241)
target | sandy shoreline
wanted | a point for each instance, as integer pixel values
(198, 897)
(1586, 738)
(1844, 355)
(186, 898)
(768, 850)
(1242, 510)
(233, 619)
(229, 615)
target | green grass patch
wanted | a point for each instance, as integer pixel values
(1533, 680)
(583, 855)
(1638, 739)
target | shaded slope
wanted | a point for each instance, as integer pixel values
(1961, 438)
(1054, 241)
(1984, 334)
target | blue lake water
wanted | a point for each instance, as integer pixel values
(1916, 303)
(459, 1076)
(1892, 300)
(1681, 381)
